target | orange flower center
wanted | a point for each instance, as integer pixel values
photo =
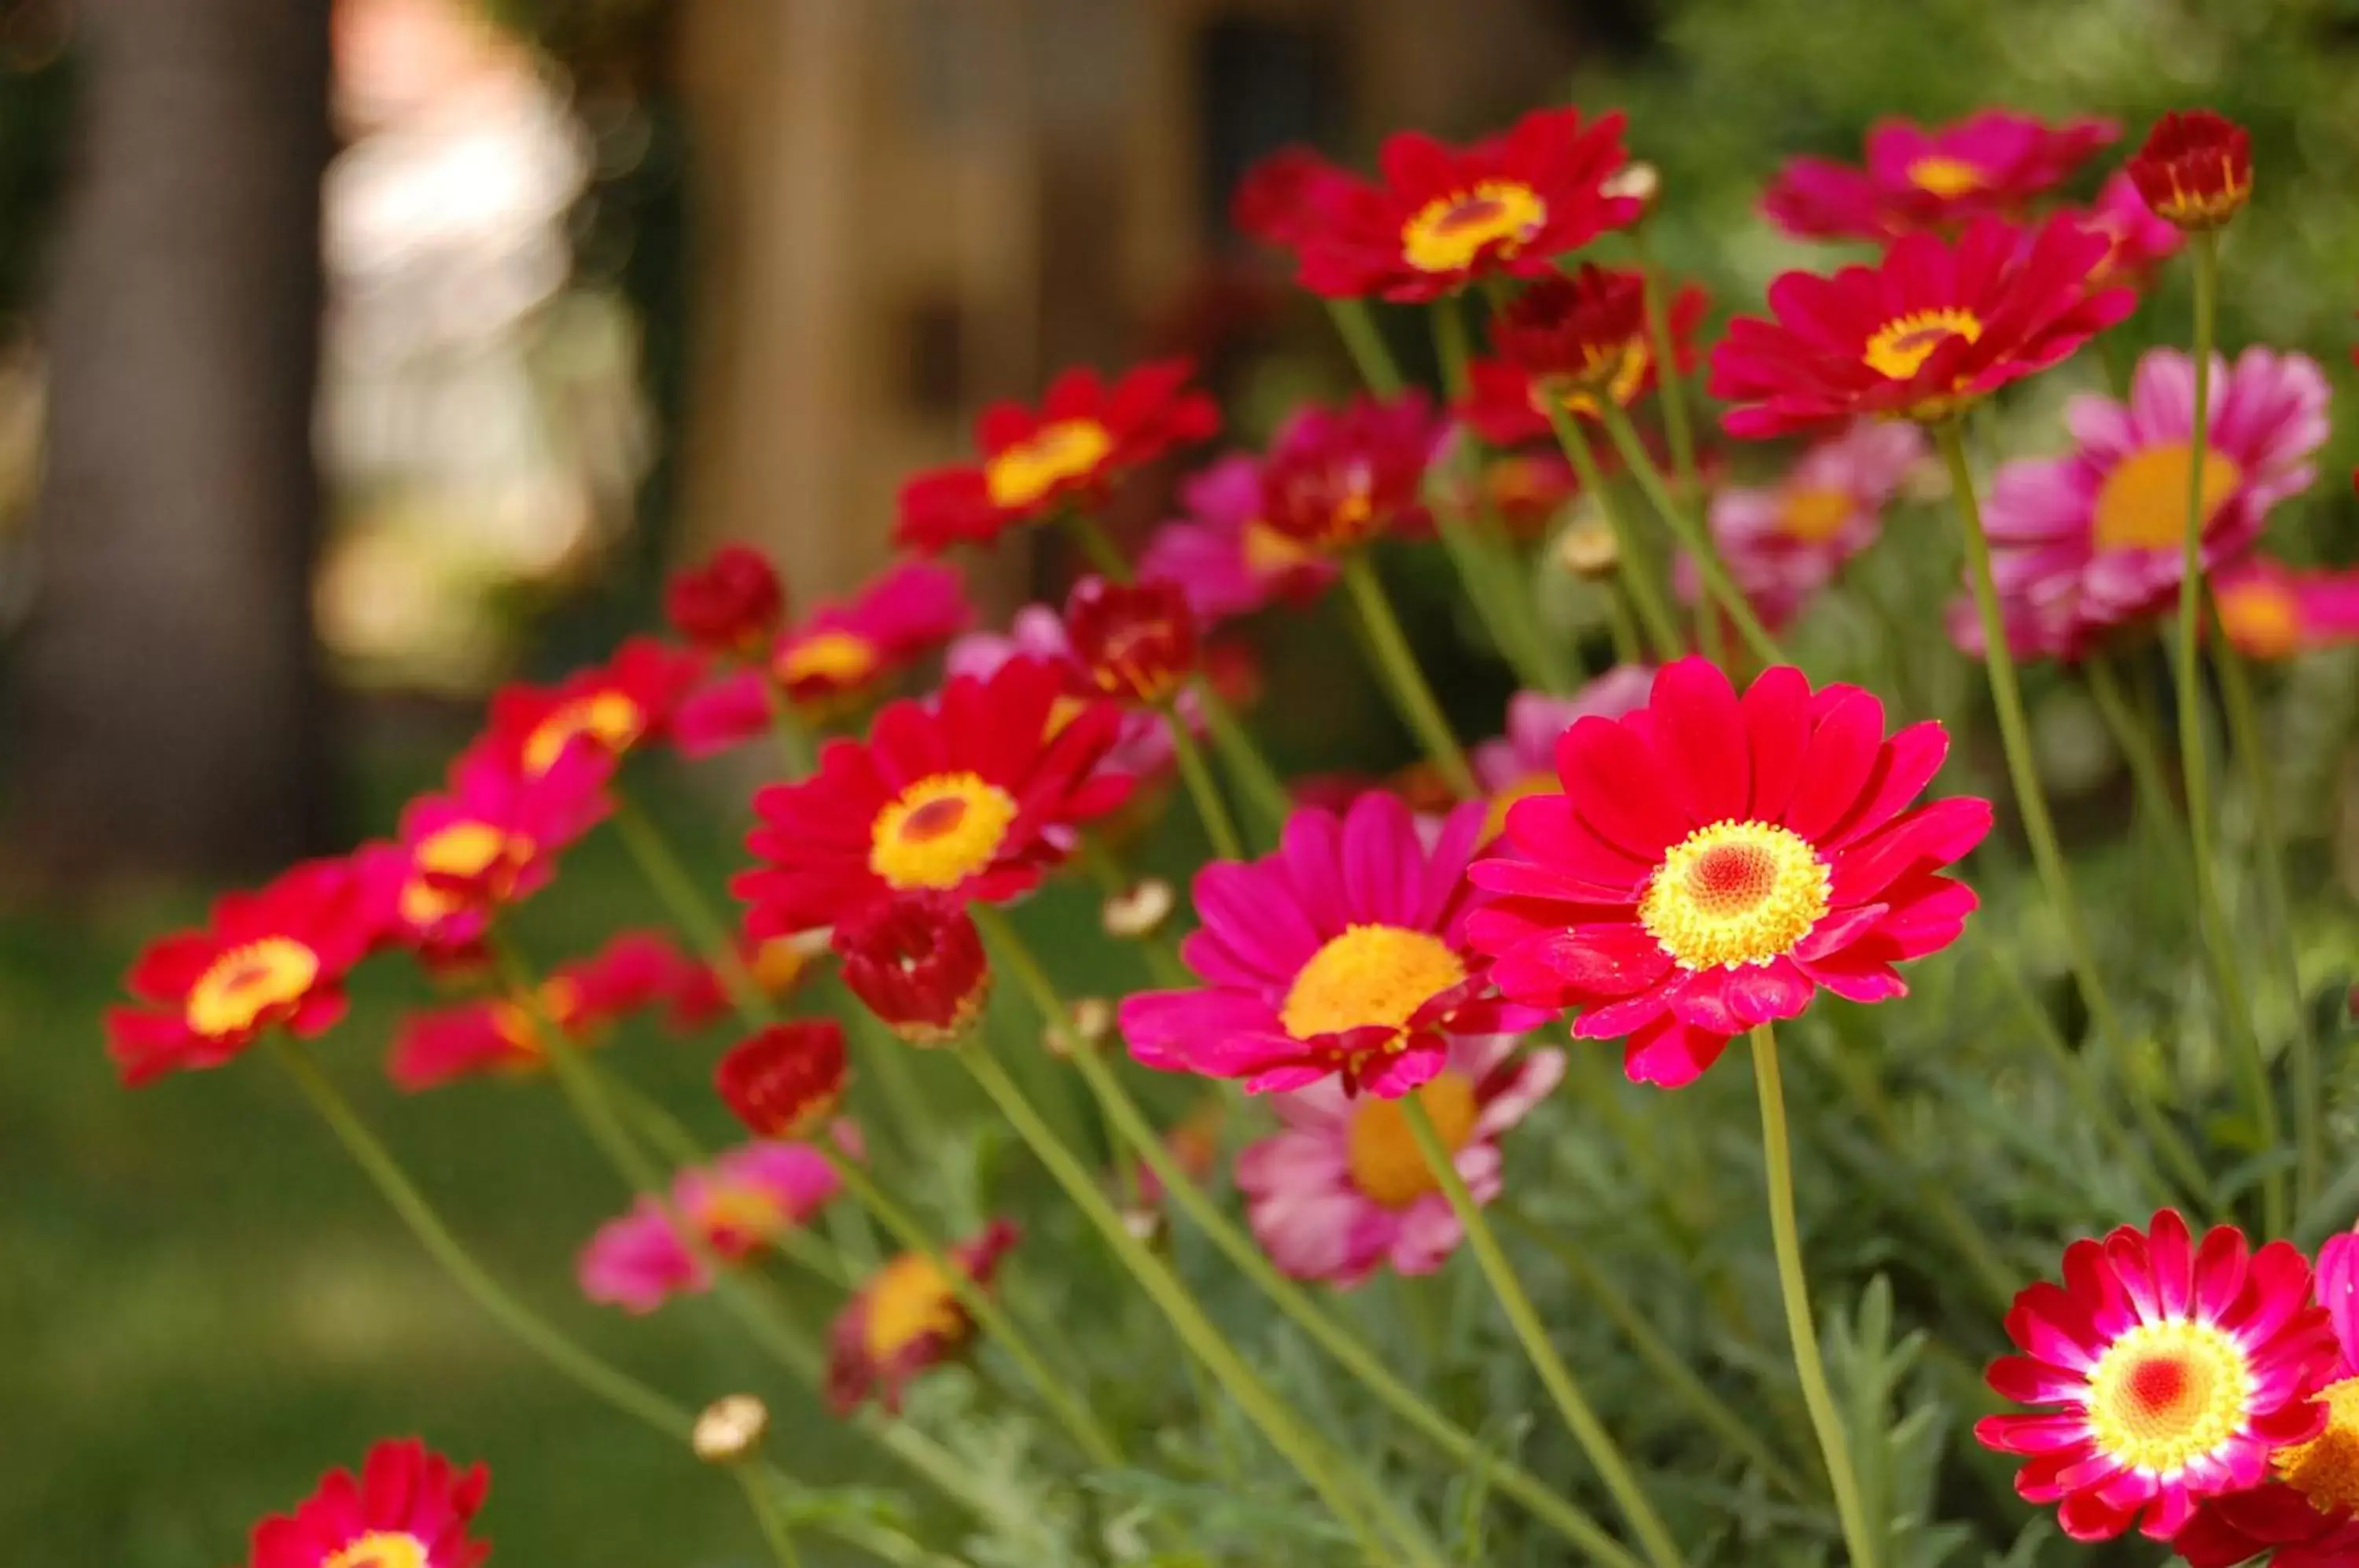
(828, 659)
(1906, 343)
(558, 1000)
(1269, 552)
(1521, 790)
(1055, 454)
(2262, 618)
(1449, 232)
(1735, 892)
(1945, 177)
(909, 1300)
(735, 1220)
(612, 718)
(2143, 502)
(2326, 1468)
(459, 852)
(779, 962)
(1385, 1161)
(1369, 975)
(1814, 514)
(2166, 1394)
(940, 831)
(379, 1549)
(248, 982)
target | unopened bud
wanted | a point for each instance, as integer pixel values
(1092, 1021)
(731, 1428)
(1145, 1226)
(1139, 911)
(1588, 548)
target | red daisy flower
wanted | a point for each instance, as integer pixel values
(730, 605)
(1083, 438)
(918, 963)
(1336, 478)
(963, 798)
(1285, 196)
(2171, 1370)
(1135, 641)
(1927, 330)
(1505, 404)
(907, 1318)
(271, 959)
(617, 706)
(1444, 216)
(2195, 169)
(1991, 164)
(408, 1508)
(636, 971)
(786, 1080)
(1714, 862)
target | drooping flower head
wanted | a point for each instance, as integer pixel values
(1714, 862)
(613, 708)
(731, 604)
(634, 972)
(1917, 179)
(1336, 478)
(2271, 612)
(1522, 762)
(835, 659)
(2168, 1370)
(1223, 555)
(1285, 196)
(907, 1318)
(1085, 437)
(1343, 954)
(2195, 169)
(1931, 328)
(916, 961)
(274, 958)
(787, 1079)
(974, 796)
(2141, 240)
(408, 1508)
(2084, 543)
(1507, 403)
(741, 1203)
(1341, 1187)
(1136, 641)
(1443, 217)
(1783, 542)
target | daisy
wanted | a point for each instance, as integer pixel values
(636, 971)
(1222, 555)
(1714, 862)
(615, 707)
(1137, 642)
(408, 1508)
(1522, 762)
(907, 1318)
(2195, 169)
(1335, 478)
(1340, 954)
(2270, 611)
(1504, 402)
(1285, 196)
(731, 604)
(1785, 541)
(1142, 742)
(1343, 1188)
(1993, 163)
(741, 1203)
(2170, 1370)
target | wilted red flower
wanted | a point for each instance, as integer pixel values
(731, 604)
(907, 1317)
(1336, 478)
(408, 1508)
(918, 963)
(786, 1079)
(1443, 217)
(1083, 438)
(1137, 641)
(965, 797)
(636, 971)
(1991, 164)
(1923, 334)
(1505, 404)
(612, 707)
(274, 958)
(1286, 195)
(2195, 169)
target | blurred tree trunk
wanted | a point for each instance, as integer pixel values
(169, 701)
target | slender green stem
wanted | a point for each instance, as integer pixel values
(772, 1524)
(1863, 1542)
(2137, 747)
(1624, 629)
(1204, 791)
(1097, 545)
(1692, 535)
(1257, 783)
(1604, 1456)
(688, 909)
(1670, 386)
(1632, 564)
(1397, 666)
(1365, 345)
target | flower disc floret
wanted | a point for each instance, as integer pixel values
(1735, 893)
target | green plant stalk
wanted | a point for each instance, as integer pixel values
(1096, 544)
(1257, 783)
(1632, 567)
(772, 1524)
(1692, 535)
(1397, 667)
(1691, 1390)
(1776, 1158)
(2138, 749)
(796, 748)
(1625, 630)
(913, 1109)
(676, 890)
(1604, 1454)
(1220, 829)
(1365, 345)
(1669, 386)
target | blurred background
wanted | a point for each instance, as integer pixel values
(356, 356)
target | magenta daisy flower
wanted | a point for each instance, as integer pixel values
(1523, 761)
(2170, 1369)
(1222, 552)
(1340, 954)
(1341, 1187)
(1783, 542)
(2270, 611)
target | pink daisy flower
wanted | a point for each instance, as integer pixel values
(1342, 1189)
(1993, 163)
(636, 971)
(739, 1204)
(2270, 611)
(1223, 555)
(408, 1508)
(1342, 954)
(1522, 762)
(2170, 1371)
(2142, 241)
(1783, 542)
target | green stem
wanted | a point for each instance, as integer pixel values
(1604, 1456)
(1097, 545)
(772, 1523)
(2137, 745)
(1670, 389)
(794, 746)
(1632, 564)
(1256, 781)
(688, 909)
(1366, 347)
(1776, 1158)
(920, 1126)
(1397, 665)
(1204, 791)
(1624, 629)
(1692, 535)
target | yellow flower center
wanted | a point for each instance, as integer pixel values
(2206, 205)
(1054, 453)
(909, 1300)
(2143, 502)
(1448, 232)
(2262, 618)
(747, 1215)
(1521, 790)
(940, 831)
(1901, 345)
(2326, 1468)
(560, 1001)
(1269, 552)
(1385, 1161)
(462, 851)
(1945, 177)
(1814, 514)
(379, 1549)
(2166, 1394)
(1734, 893)
(246, 982)
(611, 718)
(835, 659)
(1369, 975)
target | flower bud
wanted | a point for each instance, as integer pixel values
(918, 963)
(731, 604)
(1139, 911)
(786, 1080)
(731, 1428)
